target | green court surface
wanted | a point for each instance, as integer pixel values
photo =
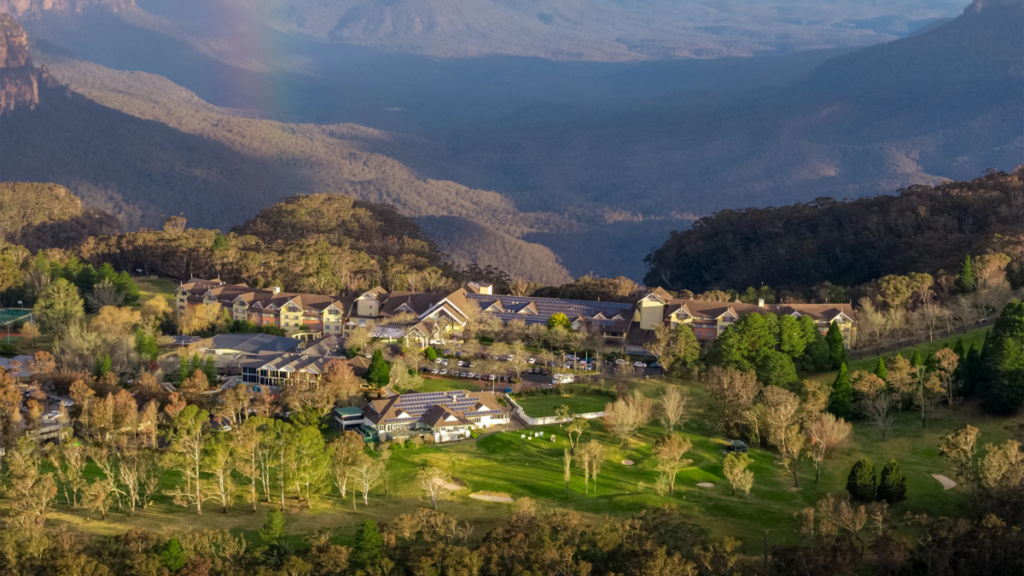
(8, 315)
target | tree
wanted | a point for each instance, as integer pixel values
(841, 400)
(734, 467)
(368, 474)
(733, 391)
(928, 391)
(186, 452)
(436, 483)
(379, 372)
(97, 496)
(172, 555)
(218, 460)
(559, 320)
(58, 306)
(669, 453)
(836, 348)
(965, 281)
(346, 453)
(200, 318)
(574, 429)
(672, 408)
(369, 546)
(776, 369)
(567, 470)
(826, 433)
(892, 486)
(878, 403)
(246, 449)
(273, 529)
(623, 417)
(861, 482)
(674, 346)
(430, 354)
(155, 310)
(780, 409)
(880, 369)
(30, 331)
(590, 457)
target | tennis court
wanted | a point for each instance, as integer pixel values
(8, 315)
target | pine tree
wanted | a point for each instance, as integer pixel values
(841, 401)
(273, 530)
(861, 482)
(892, 486)
(210, 369)
(916, 361)
(958, 348)
(379, 372)
(369, 545)
(126, 285)
(880, 370)
(103, 365)
(965, 280)
(836, 350)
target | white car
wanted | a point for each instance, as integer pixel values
(531, 361)
(622, 361)
(444, 362)
(639, 365)
(434, 371)
(443, 372)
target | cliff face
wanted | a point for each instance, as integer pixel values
(30, 9)
(19, 79)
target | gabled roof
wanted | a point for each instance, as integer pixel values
(254, 344)
(658, 293)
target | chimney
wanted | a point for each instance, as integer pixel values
(760, 302)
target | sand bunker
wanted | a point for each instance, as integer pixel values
(627, 462)
(705, 485)
(947, 484)
(492, 497)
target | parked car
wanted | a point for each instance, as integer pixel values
(508, 390)
(443, 372)
(438, 360)
(434, 371)
(639, 364)
(622, 361)
(531, 361)
(444, 362)
(459, 363)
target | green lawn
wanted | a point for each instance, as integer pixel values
(442, 384)
(541, 406)
(505, 462)
(149, 287)
(976, 337)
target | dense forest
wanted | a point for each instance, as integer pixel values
(38, 216)
(846, 243)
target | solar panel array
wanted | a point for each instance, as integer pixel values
(416, 405)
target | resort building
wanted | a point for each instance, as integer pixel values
(708, 319)
(445, 416)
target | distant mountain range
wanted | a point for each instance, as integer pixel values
(507, 156)
(141, 148)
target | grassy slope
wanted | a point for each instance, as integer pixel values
(150, 287)
(506, 463)
(540, 406)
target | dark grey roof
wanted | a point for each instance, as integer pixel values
(254, 344)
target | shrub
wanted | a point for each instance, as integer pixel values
(430, 353)
(861, 482)
(892, 486)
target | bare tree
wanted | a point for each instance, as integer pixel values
(436, 483)
(567, 470)
(672, 408)
(367, 474)
(346, 454)
(781, 409)
(878, 402)
(826, 433)
(625, 416)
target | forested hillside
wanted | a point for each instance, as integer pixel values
(921, 229)
(165, 152)
(48, 216)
